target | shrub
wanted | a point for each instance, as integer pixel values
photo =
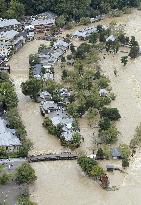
(76, 139)
(24, 200)
(85, 21)
(125, 151)
(125, 163)
(25, 174)
(4, 179)
(111, 113)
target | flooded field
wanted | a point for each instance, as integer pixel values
(63, 183)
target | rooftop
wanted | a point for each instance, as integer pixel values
(7, 136)
(38, 22)
(8, 22)
(9, 35)
(116, 152)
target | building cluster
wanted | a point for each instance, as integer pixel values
(41, 23)
(14, 34)
(57, 113)
(48, 58)
(8, 138)
(86, 32)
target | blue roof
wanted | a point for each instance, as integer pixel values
(116, 152)
(37, 69)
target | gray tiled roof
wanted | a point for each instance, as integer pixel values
(9, 35)
(8, 22)
(38, 22)
(7, 136)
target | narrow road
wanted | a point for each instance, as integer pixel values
(29, 111)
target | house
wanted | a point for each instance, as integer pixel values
(45, 95)
(5, 50)
(47, 107)
(5, 68)
(37, 70)
(64, 92)
(9, 24)
(8, 139)
(67, 136)
(42, 26)
(8, 36)
(111, 38)
(61, 43)
(103, 92)
(85, 33)
(48, 76)
(70, 62)
(116, 154)
(11, 40)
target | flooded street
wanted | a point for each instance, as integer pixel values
(32, 119)
(62, 182)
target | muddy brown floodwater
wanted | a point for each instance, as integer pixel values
(62, 182)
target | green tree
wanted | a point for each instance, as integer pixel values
(134, 51)
(40, 49)
(2, 8)
(34, 59)
(104, 123)
(111, 113)
(86, 164)
(93, 38)
(60, 21)
(16, 10)
(82, 50)
(109, 136)
(31, 88)
(100, 154)
(4, 179)
(64, 74)
(25, 174)
(72, 48)
(124, 60)
(125, 151)
(125, 162)
(90, 166)
(24, 200)
(24, 149)
(7, 95)
(97, 171)
(76, 139)
(85, 21)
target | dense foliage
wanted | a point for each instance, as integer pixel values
(90, 167)
(69, 8)
(9, 101)
(31, 88)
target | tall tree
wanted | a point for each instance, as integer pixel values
(16, 10)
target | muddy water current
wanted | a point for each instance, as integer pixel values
(63, 183)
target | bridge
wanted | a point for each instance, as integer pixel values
(52, 157)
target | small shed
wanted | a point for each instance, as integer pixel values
(110, 167)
